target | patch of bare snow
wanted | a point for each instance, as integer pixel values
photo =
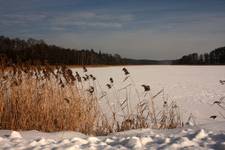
(183, 138)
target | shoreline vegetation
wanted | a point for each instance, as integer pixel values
(54, 98)
(38, 52)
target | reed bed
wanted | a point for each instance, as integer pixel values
(44, 98)
(144, 114)
(54, 98)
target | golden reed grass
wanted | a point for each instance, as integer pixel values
(52, 98)
(44, 98)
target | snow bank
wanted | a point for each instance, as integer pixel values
(188, 138)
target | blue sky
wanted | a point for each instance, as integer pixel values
(162, 29)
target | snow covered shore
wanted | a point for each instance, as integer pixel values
(210, 136)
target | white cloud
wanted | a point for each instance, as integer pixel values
(26, 18)
(151, 43)
(91, 19)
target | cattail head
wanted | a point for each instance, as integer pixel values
(70, 75)
(216, 102)
(165, 104)
(77, 74)
(67, 100)
(222, 82)
(91, 90)
(92, 77)
(111, 80)
(213, 117)
(109, 86)
(78, 77)
(84, 69)
(85, 79)
(146, 87)
(125, 71)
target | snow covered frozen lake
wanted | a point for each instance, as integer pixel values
(194, 88)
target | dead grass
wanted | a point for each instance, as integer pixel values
(44, 98)
(54, 99)
(145, 114)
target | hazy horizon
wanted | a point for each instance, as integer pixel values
(142, 29)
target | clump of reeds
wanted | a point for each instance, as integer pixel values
(44, 98)
(54, 98)
(144, 114)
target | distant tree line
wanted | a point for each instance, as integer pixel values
(215, 57)
(37, 51)
(34, 51)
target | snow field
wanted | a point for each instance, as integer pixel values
(188, 138)
(194, 88)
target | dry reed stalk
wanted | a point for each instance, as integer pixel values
(32, 98)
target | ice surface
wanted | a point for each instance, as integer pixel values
(194, 88)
